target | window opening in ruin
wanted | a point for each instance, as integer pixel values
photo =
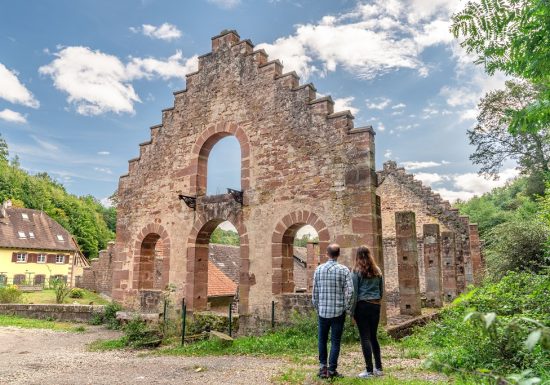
(224, 166)
(217, 268)
(150, 263)
(301, 256)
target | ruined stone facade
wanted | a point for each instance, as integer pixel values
(399, 191)
(301, 163)
(98, 277)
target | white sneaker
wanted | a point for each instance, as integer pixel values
(378, 373)
(365, 374)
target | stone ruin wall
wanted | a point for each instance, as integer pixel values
(399, 191)
(301, 163)
(98, 277)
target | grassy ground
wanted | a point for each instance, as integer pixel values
(29, 323)
(48, 296)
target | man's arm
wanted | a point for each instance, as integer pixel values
(315, 296)
(348, 290)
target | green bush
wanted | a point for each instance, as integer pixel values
(109, 317)
(10, 294)
(139, 335)
(76, 293)
(468, 345)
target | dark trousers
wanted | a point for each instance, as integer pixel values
(367, 316)
(336, 327)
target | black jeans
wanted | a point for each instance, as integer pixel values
(367, 316)
(336, 326)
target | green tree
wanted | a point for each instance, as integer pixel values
(4, 153)
(512, 36)
(225, 237)
(494, 143)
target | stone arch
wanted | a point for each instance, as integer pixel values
(282, 247)
(196, 288)
(152, 263)
(204, 145)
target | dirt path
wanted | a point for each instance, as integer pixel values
(37, 356)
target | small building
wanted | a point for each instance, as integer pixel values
(34, 249)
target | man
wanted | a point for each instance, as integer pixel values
(332, 292)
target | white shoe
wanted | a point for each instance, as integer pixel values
(365, 374)
(378, 373)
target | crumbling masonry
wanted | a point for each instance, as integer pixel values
(301, 163)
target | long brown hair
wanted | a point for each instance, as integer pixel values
(365, 264)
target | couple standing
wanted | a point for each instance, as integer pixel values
(337, 290)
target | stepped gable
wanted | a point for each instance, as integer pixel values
(436, 206)
(324, 106)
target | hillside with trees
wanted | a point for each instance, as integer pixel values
(92, 224)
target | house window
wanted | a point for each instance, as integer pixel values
(3, 280)
(18, 279)
(60, 237)
(41, 258)
(59, 259)
(21, 234)
(39, 279)
(25, 216)
(31, 234)
(21, 257)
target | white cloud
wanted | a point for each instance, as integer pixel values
(12, 90)
(104, 170)
(398, 106)
(371, 40)
(45, 145)
(343, 104)
(176, 66)
(380, 127)
(12, 116)
(227, 226)
(413, 165)
(103, 153)
(226, 4)
(97, 83)
(377, 103)
(106, 202)
(388, 154)
(452, 195)
(166, 31)
(430, 179)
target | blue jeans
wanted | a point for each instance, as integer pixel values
(337, 326)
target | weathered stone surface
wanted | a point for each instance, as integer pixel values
(407, 257)
(223, 338)
(74, 313)
(98, 277)
(448, 259)
(432, 265)
(301, 163)
(475, 253)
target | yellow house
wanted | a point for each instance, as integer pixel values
(34, 248)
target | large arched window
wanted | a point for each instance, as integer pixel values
(224, 166)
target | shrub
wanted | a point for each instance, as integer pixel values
(76, 293)
(61, 289)
(139, 335)
(109, 317)
(10, 294)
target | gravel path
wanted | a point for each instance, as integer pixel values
(37, 356)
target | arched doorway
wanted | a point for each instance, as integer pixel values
(152, 264)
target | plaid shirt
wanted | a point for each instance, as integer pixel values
(332, 289)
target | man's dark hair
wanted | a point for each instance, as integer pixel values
(333, 250)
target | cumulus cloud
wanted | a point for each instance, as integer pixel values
(372, 39)
(398, 106)
(165, 31)
(12, 90)
(388, 154)
(106, 202)
(413, 165)
(226, 4)
(379, 103)
(430, 179)
(343, 104)
(12, 116)
(97, 83)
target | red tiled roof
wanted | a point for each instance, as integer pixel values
(27, 221)
(219, 284)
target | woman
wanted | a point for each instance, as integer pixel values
(368, 287)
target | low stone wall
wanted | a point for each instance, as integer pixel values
(72, 313)
(406, 328)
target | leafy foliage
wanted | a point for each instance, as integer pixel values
(512, 36)
(83, 217)
(506, 310)
(225, 237)
(76, 293)
(302, 242)
(494, 142)
(10, 294)
(61, 289)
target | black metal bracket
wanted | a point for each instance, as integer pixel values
(236, 194)
(191, 202)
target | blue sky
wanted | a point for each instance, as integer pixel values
(82, 81)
